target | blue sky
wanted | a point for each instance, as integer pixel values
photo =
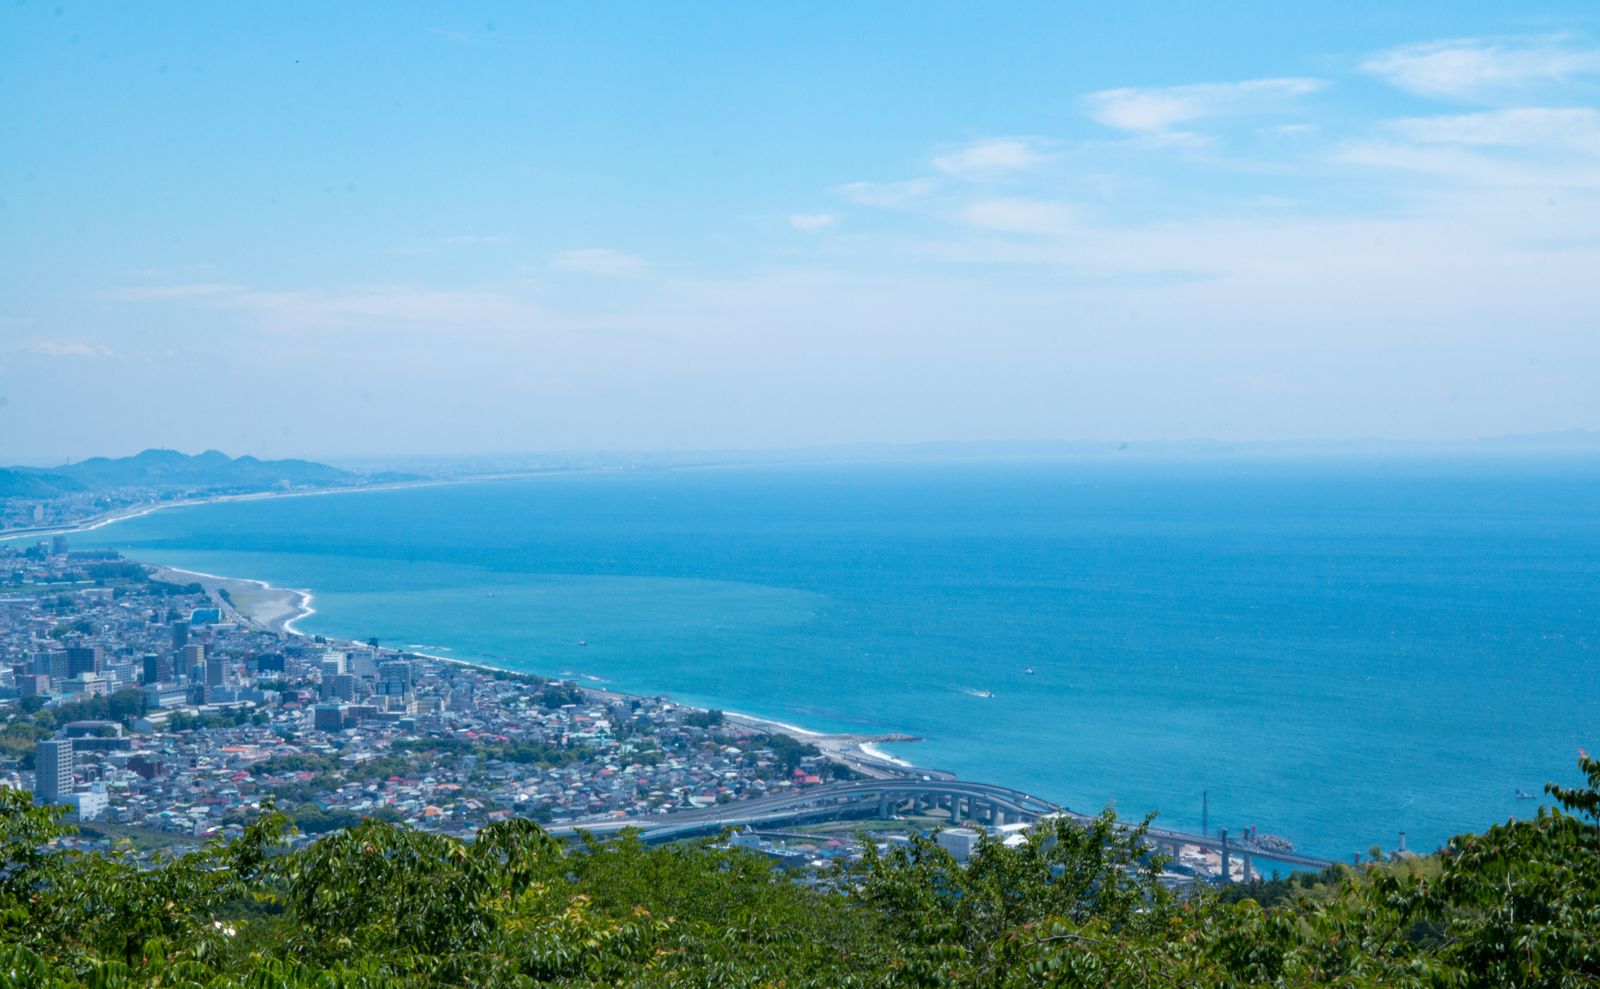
(331, 229)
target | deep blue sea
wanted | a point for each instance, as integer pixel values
(1334, 651)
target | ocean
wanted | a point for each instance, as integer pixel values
(1333, 651)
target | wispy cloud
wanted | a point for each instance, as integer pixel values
(1572, 128)
(362, 307)
(479, 38)
(1160, 109)
(886, 194)
(447, 242)
(996, 156)
(55, 348)
(381, 307)
(1025, 216)
(187, 290)
(1480, 68)
(1451, 168)
(1522, 148)
(812, 222)
(599, 261)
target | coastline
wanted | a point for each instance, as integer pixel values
(247, 601)
(257, 603)
(150, 508)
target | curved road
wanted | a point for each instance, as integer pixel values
(855, 798)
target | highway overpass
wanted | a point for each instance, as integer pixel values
(982, 804)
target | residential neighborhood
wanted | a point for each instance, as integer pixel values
(154, 708)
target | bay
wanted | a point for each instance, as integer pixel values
(1333, 651)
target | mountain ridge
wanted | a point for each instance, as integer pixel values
(169, 470)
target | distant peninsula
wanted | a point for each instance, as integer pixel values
(43, 498)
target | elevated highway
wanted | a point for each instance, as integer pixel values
(983, 804)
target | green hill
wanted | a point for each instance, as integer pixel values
(166, 471)
(381, 905)
(21, 483)
(211, 469)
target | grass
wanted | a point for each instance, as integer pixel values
(143, 839)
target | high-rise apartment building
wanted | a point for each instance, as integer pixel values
(155, 669)
(85, 659)
(394, 678)
(52, 771)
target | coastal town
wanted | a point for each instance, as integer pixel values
(102, 489)
(155, 708)
(165, 709)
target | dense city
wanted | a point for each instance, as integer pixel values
(157, 712)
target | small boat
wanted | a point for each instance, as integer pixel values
(1524, 795)
(984, 693)
(582, 642)
(1029, 671)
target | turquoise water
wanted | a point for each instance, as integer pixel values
(1336, 652)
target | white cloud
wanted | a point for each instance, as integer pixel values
(1469, 167)
(1157, 109)
(1026, 216)
(1574, 128)
(887, 194)
(1475, 68)
(193, 290)
(993, 157)
(52, 348)
(599, 261)
(361, 307)
(812, 222)
(450, 242)
(1542, 149)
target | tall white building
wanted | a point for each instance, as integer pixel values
(52, 772)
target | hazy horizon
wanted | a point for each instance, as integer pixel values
(313, 231)
(1570, 442)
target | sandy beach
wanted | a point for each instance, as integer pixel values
(249, 602)
(856, 751)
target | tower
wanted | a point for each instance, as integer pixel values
(52, 773)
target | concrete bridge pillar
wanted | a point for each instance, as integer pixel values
(1247, 863)
(883, 806)
(1227, 864)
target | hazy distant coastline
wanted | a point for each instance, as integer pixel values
(1578, 445)
(1575, 443)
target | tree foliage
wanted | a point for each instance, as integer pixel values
(378, 904)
